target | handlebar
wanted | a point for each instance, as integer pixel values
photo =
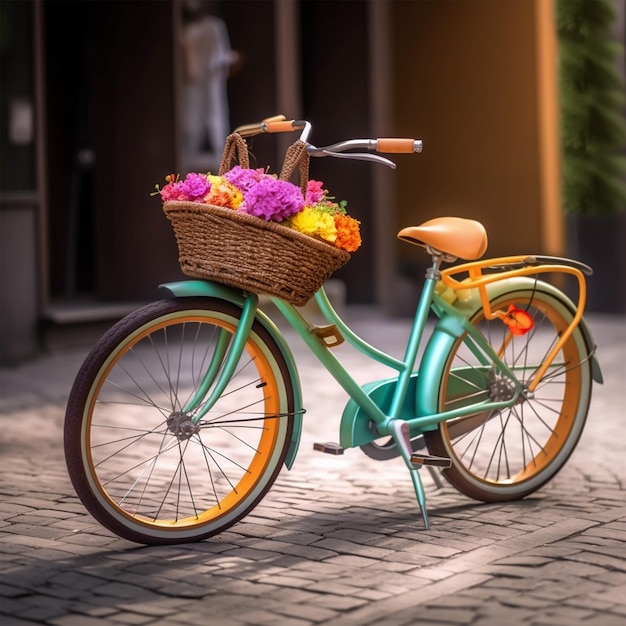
(279, 124)
(276, 124)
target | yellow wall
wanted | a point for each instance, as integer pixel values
(466, 82)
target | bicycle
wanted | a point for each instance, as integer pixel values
(185, 411)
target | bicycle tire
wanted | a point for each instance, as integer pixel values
(509, 454)
(135, 460)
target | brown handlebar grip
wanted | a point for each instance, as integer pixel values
(274, 118)
(248, 130)
(391, 144)
(280, 127)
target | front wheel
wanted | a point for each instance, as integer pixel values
(508, 454)
(139, 461)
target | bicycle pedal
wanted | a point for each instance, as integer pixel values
(328, 448)
(429, 459)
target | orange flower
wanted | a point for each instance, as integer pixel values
(348, 234)
(223, 193)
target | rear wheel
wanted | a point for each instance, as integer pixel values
(140, 463)
(508, 454)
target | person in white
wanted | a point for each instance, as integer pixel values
(207, 57)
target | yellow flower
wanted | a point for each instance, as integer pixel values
(315, 224)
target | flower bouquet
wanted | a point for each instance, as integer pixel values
(259, 232)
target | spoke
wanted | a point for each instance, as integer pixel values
(148, 471)
(211, 453)
(475, 437)
(498, 446)
(536, 413)
(130, 441)
(183, 469)
(144, 398)
(527, 441)
(153, 457)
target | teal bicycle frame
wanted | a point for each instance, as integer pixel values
(403, 406)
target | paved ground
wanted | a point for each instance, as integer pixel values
(337, 541)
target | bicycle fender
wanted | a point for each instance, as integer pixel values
(445, 333)
(209, 289)
(450, 327)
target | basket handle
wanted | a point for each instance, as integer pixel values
(296, 156)
(235, 146)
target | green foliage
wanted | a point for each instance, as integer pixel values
(593, 126)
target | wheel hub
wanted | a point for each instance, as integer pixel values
(501, 388)
(181, 425)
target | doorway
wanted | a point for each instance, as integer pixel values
(109, 106)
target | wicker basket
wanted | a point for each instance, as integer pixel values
(247, 252)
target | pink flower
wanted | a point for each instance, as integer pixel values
(195, 187)
(171, 191)
(273, 199)
(314, 192)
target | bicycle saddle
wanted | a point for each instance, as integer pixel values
(455, 236)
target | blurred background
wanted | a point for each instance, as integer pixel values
(519, 104)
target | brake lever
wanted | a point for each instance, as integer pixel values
(355, 156)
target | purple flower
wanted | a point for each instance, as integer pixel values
(273, 199)
(244, 178)
(195, 187)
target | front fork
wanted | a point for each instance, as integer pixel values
(223, 361)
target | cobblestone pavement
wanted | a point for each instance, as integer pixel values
(338, 540)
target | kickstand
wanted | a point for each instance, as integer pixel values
(399, 429)
(419, 493)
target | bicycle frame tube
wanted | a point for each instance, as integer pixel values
(359, 395)
(405, 368)
(451, 325)
(331, 363)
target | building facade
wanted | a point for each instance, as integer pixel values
(91, 122)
